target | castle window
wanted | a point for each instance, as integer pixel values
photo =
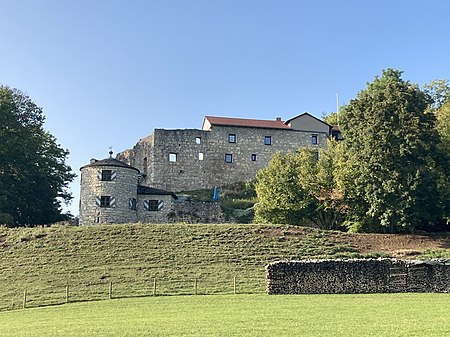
(198, 140)
(105, 201)
(228, 158)
(172, 157)
(231, 138)
(153, 205)
(254, 157)
(132, 204)
(314, 139)
(106, 175)
(145, 165)
(200, 156)
(268, 140)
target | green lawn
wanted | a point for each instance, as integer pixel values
(239, 315)
(44, 260)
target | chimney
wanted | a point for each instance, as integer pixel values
(278, 119)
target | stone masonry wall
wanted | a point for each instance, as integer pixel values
(200, 155)
(160, 216)
(197, 212)
(122, 188)
(357, 276)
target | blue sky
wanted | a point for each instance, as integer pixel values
(107, 73)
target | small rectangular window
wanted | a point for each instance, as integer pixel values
(145, 164)
(198, 140)
(228, 158)
(132, 204)
(231, 138)
(253, 157)
(153, 205)
(315, 139)
(105, 201)
(172, 157)
(200, 156)
(268, 140)
(106, 175)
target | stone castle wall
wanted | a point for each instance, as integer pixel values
(357, 276)
(122, 188)
(200, 155)
(160, 216)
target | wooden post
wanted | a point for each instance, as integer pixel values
(67, 293)
(154, 286)
(195, 286)
(24, 299)
(110, 289)
(234, 285)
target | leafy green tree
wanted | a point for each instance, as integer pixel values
(280, 195)
(392, 146)
(438, 92)
(301, 187)
(443, 128)
(33, 173)
(332, 118)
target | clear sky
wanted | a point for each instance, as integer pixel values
(108, 72)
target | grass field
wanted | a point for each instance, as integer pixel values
(44, 260)
(239, 315)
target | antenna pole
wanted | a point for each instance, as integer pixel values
(337, 107)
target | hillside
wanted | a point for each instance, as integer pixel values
(44, 260)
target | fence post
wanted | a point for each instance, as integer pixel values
(195, 286)
(234, 285)
(110, 289)
(154, 286)
(24, 299)
(67, 293)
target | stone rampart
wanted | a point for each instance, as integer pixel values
(357, 276)
(196, 212)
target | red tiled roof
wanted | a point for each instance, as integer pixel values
(252, 123)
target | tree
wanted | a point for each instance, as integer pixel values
(302, 187)
(392, 146)
(280, 195)
(33, 173)
(438, 92)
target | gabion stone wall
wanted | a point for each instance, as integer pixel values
(357, 276)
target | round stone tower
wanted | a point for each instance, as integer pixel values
(108, 192)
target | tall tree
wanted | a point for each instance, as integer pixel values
(280, 195)
(391, 141)
(33, 173)
(302, 187)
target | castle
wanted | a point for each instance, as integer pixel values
(137, 185)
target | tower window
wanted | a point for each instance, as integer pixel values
(268, 140)
(132, 204)
(105, 201)
(228, 158)
(200, 156)
(172, 157)
(231, 138)
(107, 175)
(198, 140)
(254, 157)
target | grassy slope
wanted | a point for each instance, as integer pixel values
(239, 315)
(45, 260)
